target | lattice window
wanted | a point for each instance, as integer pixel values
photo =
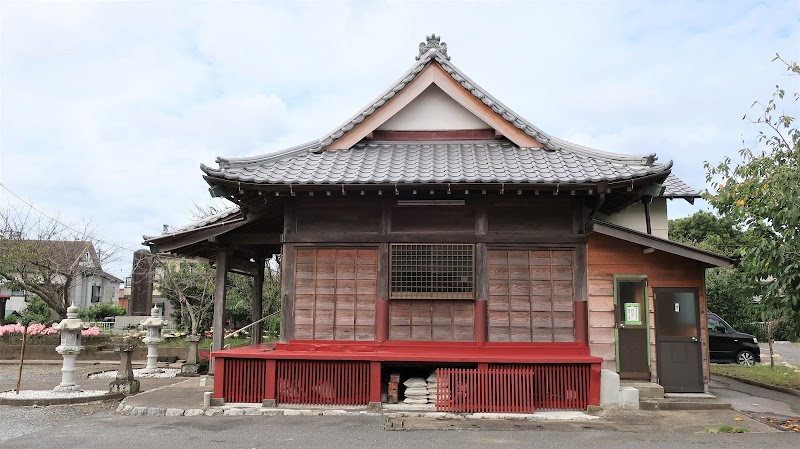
(426, 271)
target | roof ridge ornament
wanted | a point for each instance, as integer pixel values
(434, 42)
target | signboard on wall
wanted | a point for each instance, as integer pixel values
(632, 313)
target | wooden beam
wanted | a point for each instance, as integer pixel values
(170, 243)
(252, 238)
(667, 246)
(433, 237)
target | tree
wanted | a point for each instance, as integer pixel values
(239, 298)
(761, 193)
(44, 257)
(729, 291)
(190, 284)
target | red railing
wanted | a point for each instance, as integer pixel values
(322, 382)
(492, 390)
(245, 380)
(512, 388)
(560, 387)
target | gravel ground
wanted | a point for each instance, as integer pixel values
(138, 374)
(41, 394)
(18, 421)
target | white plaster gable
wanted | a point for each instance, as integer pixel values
(433, 110)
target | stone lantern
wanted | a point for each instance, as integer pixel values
(70, 347)
(154, 323)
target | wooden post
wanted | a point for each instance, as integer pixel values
(218, 322)
(581, 323)
(382, 301)
(287, 272)
(219, 389)
(272, 382)
(258, 301)
(481, 324)
(581, 294)
(375, 382)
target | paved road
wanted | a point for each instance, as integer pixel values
(784, 351)
(749, 398)
(105, 430)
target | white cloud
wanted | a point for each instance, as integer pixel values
(107, 109)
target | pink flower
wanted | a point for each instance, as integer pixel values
(91, 332)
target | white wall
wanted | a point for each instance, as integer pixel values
(433, 110)
(633, 218)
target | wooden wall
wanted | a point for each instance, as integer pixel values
(608, 256)
(335, 294)
(340, 265)
(431, 320)
(531, 295)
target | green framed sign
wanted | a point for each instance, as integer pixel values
(633, 314)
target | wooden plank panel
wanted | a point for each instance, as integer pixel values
(399, 332)
(601, 304)
(427, 219)
(601, 335)
(336, 285)
(421, 333)
(338, 219)
(602, 319)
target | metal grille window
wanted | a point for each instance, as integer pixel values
(424, 271)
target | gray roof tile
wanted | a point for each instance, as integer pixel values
(676, 188)
(375, 162)
(435, 162)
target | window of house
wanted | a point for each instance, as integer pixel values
(95, 293)
(128, 282)
(432, 271)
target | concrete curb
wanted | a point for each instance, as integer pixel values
(233, 410)
(761, 384)
(59, 401)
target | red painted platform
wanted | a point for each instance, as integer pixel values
(349, 372)
(416, 351)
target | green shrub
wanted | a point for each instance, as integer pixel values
(98, 311)
(37, 311)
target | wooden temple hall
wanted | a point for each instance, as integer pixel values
(437, 236)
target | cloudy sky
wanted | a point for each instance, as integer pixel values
(107, 109)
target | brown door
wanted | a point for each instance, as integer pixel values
(678, 339)
(633, 347)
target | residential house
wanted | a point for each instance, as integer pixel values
(90, 284)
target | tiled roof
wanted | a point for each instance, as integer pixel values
(436, 162)
(676, 188)
(222, 216)
(375, 162)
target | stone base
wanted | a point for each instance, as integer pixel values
(375, 406)
(190, 369)
(124, 386)
(67, 388)
(269, 403)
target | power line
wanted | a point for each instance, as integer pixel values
(54, 220)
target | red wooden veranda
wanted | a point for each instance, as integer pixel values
(489, 377)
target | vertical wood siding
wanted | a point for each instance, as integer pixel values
(609, 256)
(431, 320)
(531, 295)
(335, 293)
